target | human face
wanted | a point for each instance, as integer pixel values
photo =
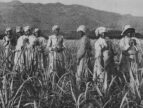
(8, 32)
(19, 33)
(131, 34)
(37, 34)
(102, 35)
(27, 32)
(57, 32)
(80, 33)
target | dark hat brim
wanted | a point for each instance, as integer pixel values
(129, 30)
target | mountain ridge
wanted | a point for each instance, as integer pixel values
(69, 17)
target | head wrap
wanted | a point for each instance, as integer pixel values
(100, 30)
(26, 28)
(18, 29)
(36, 30)
(55, 27)
(81, 28)
(8, 29)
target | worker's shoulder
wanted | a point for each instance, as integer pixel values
(123, 38)
(41, 38)
(100, 40)
(52, 36)
(32, 37)
(135, 38)
(85, 38)
(22, 37)
(5, 37)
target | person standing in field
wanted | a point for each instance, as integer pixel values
(103, 56)
(56, 55)
(83, 56)
(30, 50)
(21, 57)
(9, 44)
(40, 46)
(130, 47)
(19, 32)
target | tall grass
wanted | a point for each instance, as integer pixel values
(19, 90)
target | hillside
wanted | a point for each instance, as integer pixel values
(67, 16)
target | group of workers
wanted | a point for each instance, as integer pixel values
(33, 51)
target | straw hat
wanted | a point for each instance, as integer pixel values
(127, 28)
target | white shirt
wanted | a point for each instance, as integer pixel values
(43, 41)
(124, 43)
(20, 42)
(32, 39)
(55, 41)
(99, 45)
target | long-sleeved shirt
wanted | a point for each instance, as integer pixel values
(124, 43)
(99, 45)
(55, 42)
(84, 47)
(32, 40)
(20, 42)
(9, 41)
(42, 41)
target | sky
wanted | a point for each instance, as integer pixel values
(133, 7)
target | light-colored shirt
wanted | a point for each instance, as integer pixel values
(42, 41)
(138, 46)
(20, 42)
(99, 45)
(137, 40)
(32, 39)
(84, 47)
(55, 42)
(6, 41)
(124, 43)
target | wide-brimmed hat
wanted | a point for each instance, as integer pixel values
(127, 29)
(100, 30)
(55, 27)
(81, 28)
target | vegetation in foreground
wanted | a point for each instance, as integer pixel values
(32, 89)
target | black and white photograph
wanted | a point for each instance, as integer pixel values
(71, 53)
